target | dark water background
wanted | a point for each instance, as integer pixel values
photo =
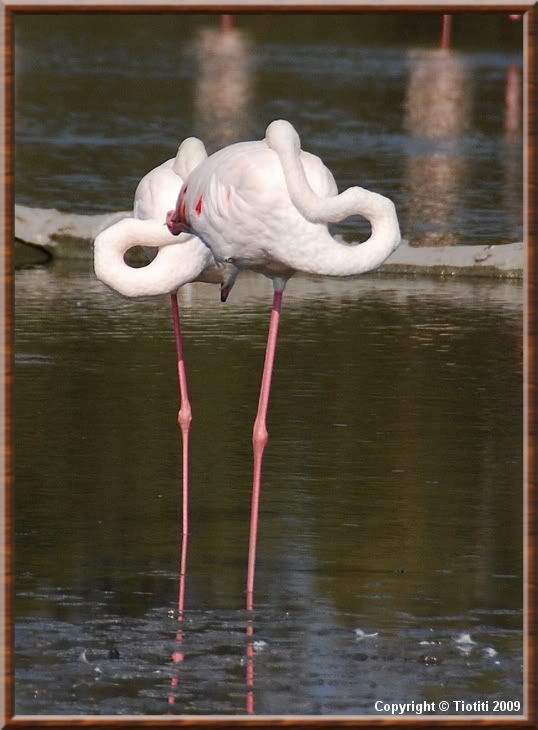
(392, 497)
(101, 100)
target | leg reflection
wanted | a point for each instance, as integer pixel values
(178, 655)
(250, 665)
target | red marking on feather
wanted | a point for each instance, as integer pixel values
(182, 210)
(182, 205)
(198, 208)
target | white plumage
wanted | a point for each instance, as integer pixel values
(178, 260)
(266, 206)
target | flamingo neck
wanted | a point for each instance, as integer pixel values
(175, 264)
(330, 256)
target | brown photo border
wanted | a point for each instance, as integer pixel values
(9, 720)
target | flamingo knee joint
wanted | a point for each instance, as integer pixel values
(260, 437)
(184, 417)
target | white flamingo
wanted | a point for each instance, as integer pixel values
(266, 206)
(178, 262)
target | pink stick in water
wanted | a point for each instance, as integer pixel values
(446, 34)
(184, 418)
(226, 22)
(259, 440)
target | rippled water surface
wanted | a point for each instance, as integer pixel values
(391, 502)
(391, 516)
(100, 102)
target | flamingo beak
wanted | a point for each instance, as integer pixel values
(224, 292)
(174, 225)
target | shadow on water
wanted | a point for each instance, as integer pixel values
(391, 503)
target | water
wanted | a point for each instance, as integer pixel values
(432, 132)
(392, 494)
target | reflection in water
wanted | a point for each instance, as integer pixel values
(512, 99)
(437, 111)
(178, 656)
(438, 95)
(511, 151)
(424, 423)
(223, 85)
(251, 708)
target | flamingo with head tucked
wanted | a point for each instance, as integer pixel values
(266, 206)
(178, 261)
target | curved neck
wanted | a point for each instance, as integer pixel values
(177, 261)
(333, 257)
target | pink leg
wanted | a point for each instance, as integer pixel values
(259, 440)
(184, 418)
(446, 35)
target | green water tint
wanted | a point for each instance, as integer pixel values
(392, 495)
(430, 130)
(392, 492)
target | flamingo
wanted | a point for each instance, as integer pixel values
(265, 206)
(178, 261)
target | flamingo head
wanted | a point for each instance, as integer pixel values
(175, 225)
(224, 292)
(176, 220)
(228, 281)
